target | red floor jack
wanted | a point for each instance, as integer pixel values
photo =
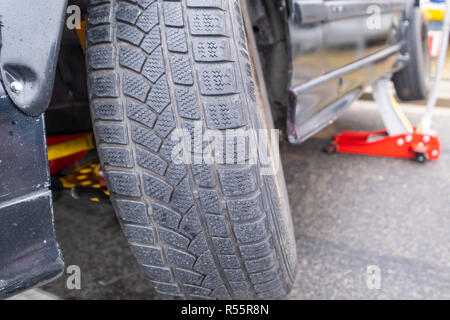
(400, 139)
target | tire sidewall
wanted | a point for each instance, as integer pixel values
(413, 81)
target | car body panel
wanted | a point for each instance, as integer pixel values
(336, 52)
(29, 44)
(29, 252)
(30, 37)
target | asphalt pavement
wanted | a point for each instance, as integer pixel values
(366, 227)
(354, 214)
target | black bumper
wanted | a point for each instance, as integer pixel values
(29, 253)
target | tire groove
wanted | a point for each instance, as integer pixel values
(190, 173)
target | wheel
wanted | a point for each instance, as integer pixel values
(331, 148)
(412, 82)
(421, 157)
(201, 229)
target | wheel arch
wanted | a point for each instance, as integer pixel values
(269, 19)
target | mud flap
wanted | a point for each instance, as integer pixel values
(29, 252)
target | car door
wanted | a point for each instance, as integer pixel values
(338, 48)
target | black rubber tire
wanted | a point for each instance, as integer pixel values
(412, 82)
(200, 231)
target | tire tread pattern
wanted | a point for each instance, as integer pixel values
(199, 231)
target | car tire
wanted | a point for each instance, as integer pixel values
(200, 230)
(412, 82)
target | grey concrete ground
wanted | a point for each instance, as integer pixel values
(353, 211)
(349, 212)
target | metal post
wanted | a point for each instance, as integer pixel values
(394, 119)
(425, 123)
